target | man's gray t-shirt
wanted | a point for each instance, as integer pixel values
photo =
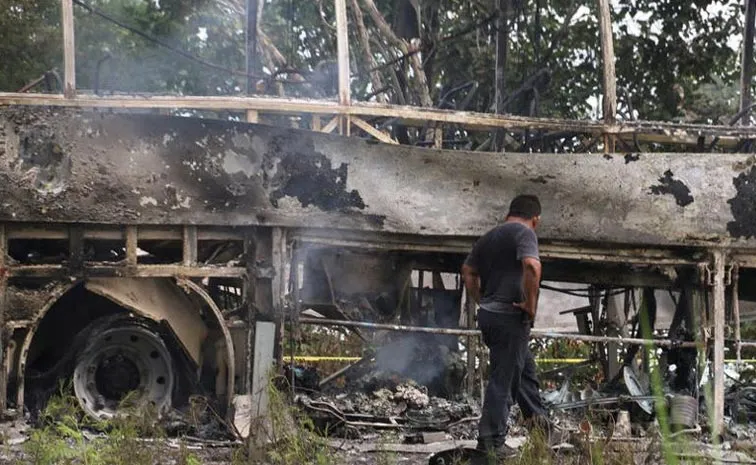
(497, 256)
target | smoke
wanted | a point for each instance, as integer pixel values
(428, 359)
(420, 357)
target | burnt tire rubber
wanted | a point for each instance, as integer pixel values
(125, 363)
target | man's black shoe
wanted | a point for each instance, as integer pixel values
(495, 454)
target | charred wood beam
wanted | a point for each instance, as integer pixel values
(69, 51)
(131, 245)
(736, 311)
(120, 271)
(656, 131)
(608, 74)
(718, 291)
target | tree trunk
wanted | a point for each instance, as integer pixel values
(502, 42)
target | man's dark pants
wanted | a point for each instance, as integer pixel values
(512, 378)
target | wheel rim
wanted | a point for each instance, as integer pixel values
(128, 361)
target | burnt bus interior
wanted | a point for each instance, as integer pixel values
(171, 312)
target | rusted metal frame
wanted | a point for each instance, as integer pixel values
(131, 246)
(248, 292)
(471, 345)
(718, 289)
(189, 246)
(279, 259)
(476, 333)
(736, 311)
(264, 266)
(115, 232)
(69, 50)
(296, 308)
(23, 352)
(75, 249)
(3, 311)
(419, 243)
(230, 355)
(119, 271)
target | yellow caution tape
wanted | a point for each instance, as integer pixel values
(314, 358)
(566, 361)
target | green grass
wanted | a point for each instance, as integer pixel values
(293, 438)
(62, 439)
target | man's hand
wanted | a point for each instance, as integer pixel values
(527, 308)
(472, 282)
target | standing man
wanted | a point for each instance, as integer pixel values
(502, 275)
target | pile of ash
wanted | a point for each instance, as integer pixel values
(403, 406)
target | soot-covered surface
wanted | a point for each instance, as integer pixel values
(743, 205)
(66, 165)
(674, 187)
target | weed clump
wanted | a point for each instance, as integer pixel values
(292, 435)
(67, 436)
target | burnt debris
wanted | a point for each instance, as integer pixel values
(631, 157)
(668, 185)
(313, 182)
(743, 206)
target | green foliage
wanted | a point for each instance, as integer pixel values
(62, 440)
(292, 434)
(675, 59)
(30, 41)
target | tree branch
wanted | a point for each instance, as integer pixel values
(364, 38)
(384, 27)
(420, 81)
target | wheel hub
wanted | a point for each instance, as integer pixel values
(124, 362)
(116, 377)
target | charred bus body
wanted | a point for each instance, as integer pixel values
(142, 252)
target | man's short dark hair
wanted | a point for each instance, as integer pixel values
(525, 206)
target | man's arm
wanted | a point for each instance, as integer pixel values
(527, 253)
(472, 282)
(531, 276)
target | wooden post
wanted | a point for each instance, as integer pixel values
(260, 262)
(471, 352)
(3, 304)
(719, 327)
(746, 65)
(253, 116)
(609, 75)
(75, 249)
(342, 50)
(736, 312)
(438, 137)
(69, 49)
(342, 46)
(278, 286)
(131, 246)
(190, 245)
